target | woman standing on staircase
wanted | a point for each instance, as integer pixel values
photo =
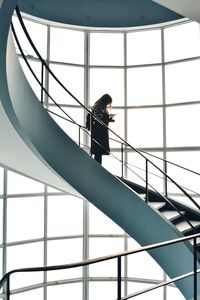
(99, 132)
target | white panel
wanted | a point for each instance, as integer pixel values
(102, 290)
(138, 262)
(144, 86)
(182, 41)
(38, 34)
(106, 49)
(22, 256)
(73, 80)
(144, 47)
(145, 127)
(185, 131)
(30, 295)
(136, 287)
(99, 223)
(68, 212)
(182, 82)
(107, 81)
(67, 291)
(67, 45)
(64, 252)
(25, 218)
(18, 184)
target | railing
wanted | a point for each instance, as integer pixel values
(122, 142)
(6, 280)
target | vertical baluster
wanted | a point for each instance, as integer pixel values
(195, 268)
(42, 82)
(79, 135)
(119, 278)
(165, 170)
(8, 288)
(122, 159)
(147, 184)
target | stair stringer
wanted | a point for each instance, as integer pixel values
(66, 160)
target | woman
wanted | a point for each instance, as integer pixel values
(99, 132)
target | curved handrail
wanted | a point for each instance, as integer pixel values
(125, 142)
(117, 256)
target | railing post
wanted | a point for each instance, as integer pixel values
(8, 288)
(79, 135)
(119, 278)
(42, 82)
(165, 180)
(147, 184)
(122, 158)
(195, 267)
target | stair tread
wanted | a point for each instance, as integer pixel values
(157, 205)
(183, 225)
(171, 214)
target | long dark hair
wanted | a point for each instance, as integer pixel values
(105, 100)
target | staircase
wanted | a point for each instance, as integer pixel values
(46, 153)
(185, 219)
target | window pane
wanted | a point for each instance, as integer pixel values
(18, 184)
(137, 264)
(117, 127)
(106, 49)
(38, 34)
(183, 123)
(70, 128)
(182, 82)
(113, 163)
(107, 81)
(102, 290)
(134, 287)
(110, 246)
(67, 45)
(68, 212)
(188, 180)
(66, 291)
(137, 170)
(25, 218)
(24, 256)
(73, 80)
(144, 86)
(145, 128)
(144, 47)
(30, 295)
(182, 41)
(64, 252)
(99, 223)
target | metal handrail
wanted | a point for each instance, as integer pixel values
(43, 89)
(118, 256)
(123, 141)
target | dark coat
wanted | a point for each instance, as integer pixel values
(99, 133)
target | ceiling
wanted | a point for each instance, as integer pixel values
(100, 13)
(188, 8)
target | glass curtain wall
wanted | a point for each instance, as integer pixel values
(152, 75)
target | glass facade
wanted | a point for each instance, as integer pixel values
(152, 75)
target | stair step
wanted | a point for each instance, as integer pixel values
(172, 214)
(183, 226)
(157, 205)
